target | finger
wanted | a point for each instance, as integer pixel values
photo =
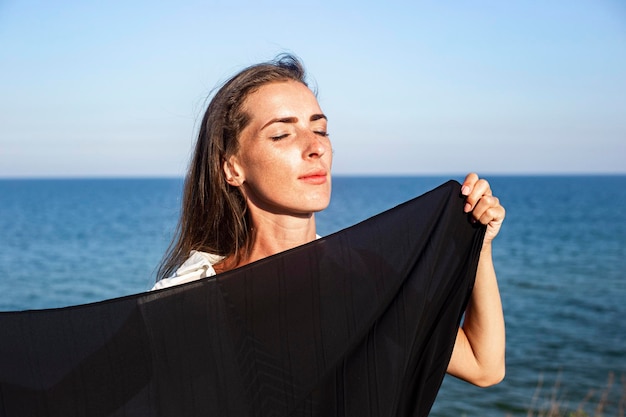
(485, 202)
(468, 183)
(492, 219)
(488, 209)
(481, 189)
(493, 215)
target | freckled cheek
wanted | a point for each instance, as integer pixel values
(277, 172)
(276, 167)
(260, 162)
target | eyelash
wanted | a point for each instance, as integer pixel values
(279, 137)
(283, 136)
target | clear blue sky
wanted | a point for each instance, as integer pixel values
(414, 87)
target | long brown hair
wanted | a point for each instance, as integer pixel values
(214, 216)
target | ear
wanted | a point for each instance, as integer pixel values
(233, 172)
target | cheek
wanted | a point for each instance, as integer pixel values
(270, 166)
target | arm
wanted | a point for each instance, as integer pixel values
(478, 355)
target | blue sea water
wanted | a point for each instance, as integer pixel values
(560, 258)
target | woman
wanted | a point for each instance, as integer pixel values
(260, 171)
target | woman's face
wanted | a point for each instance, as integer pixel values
(284, 158)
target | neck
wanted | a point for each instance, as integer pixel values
(274, 235)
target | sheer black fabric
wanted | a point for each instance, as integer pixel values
(360, 323)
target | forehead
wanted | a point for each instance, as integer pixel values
(281, 97)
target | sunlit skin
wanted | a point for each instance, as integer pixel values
(283, 169)
(479, 351)
(282, 166)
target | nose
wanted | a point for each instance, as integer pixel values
(316, 145)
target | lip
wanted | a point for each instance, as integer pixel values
(314, 177)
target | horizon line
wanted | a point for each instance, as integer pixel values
(338, 175)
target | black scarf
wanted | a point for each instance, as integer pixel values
(359, 323)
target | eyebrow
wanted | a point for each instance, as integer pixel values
(313, 118)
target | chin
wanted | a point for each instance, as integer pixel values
(320, 208)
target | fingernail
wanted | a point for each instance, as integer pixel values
(465, 190)
(467, 207)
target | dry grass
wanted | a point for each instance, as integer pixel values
(607, 402)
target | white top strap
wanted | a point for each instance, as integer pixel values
(198, 265)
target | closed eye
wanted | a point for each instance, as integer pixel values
(322, 133)
(279, 137)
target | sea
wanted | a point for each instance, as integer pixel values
(560, 259)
